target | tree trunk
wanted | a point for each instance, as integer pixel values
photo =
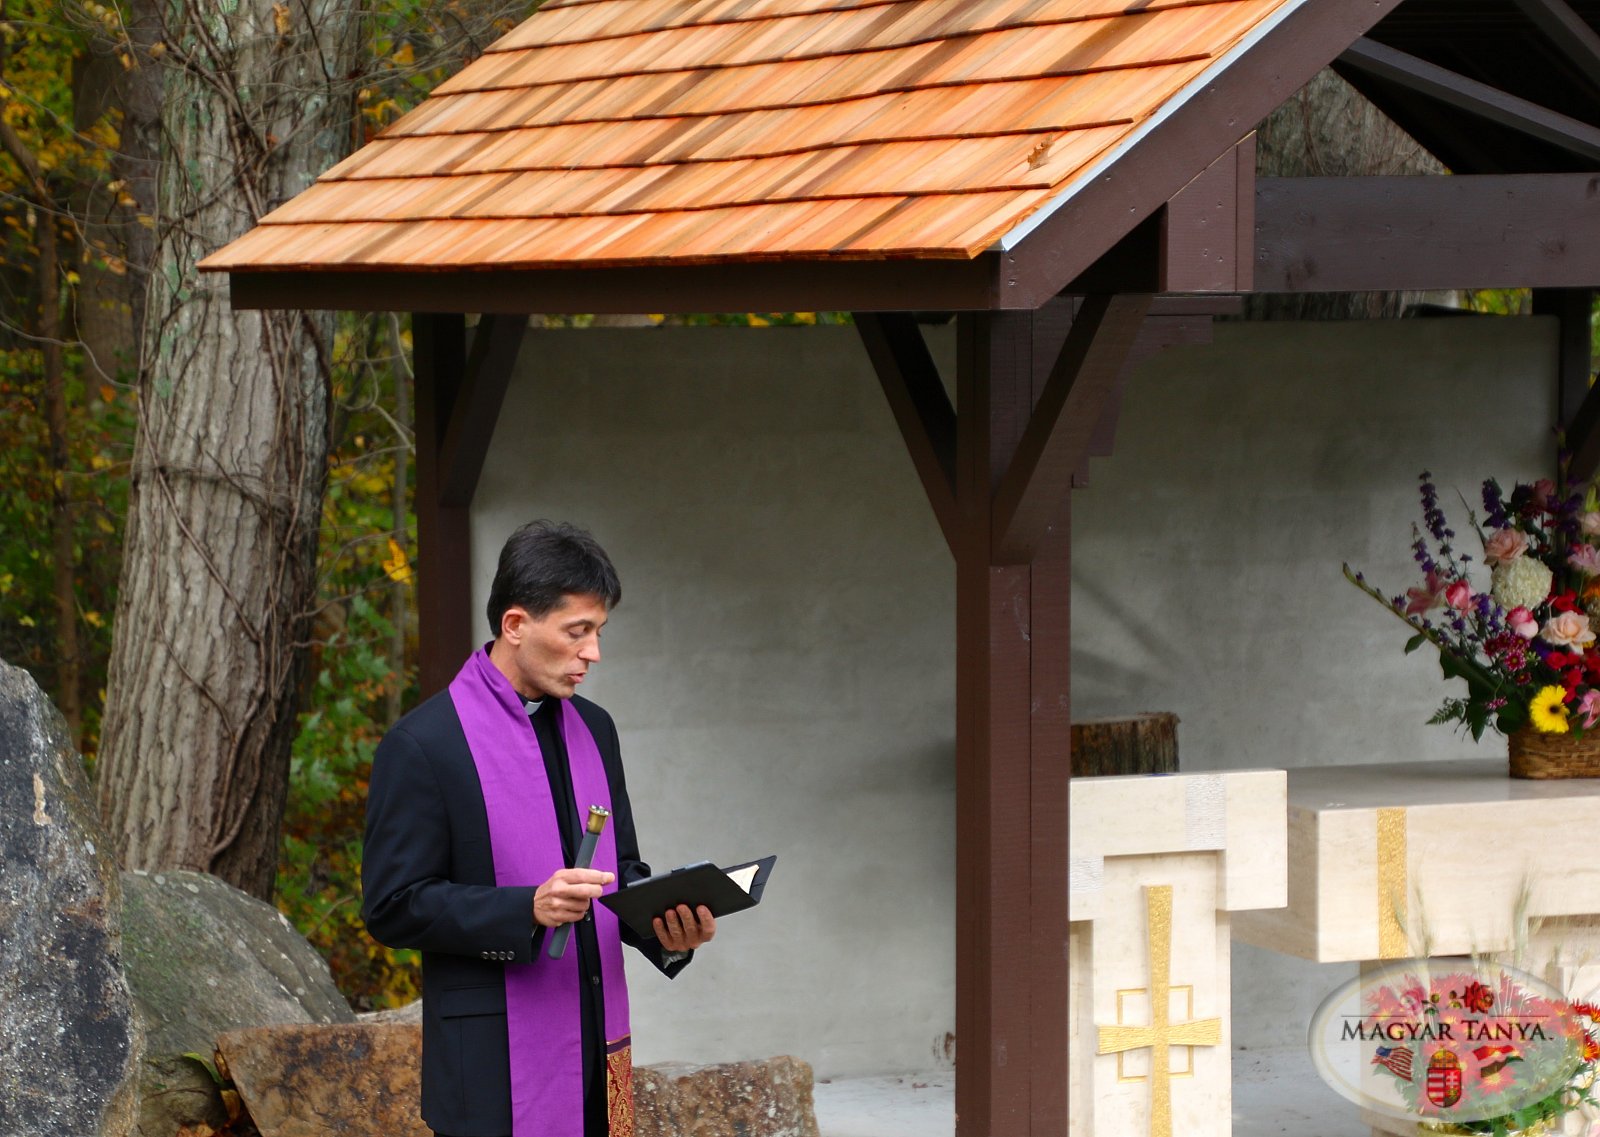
(219, 561)
(1140, 744)
(1328, 129)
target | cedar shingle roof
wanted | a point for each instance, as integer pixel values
(617, 132)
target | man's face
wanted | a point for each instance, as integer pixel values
(551, 655)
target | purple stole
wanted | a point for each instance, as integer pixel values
(543, 1012)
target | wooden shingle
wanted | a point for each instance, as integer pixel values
(615, 132)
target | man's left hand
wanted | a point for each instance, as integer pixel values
(683, 930)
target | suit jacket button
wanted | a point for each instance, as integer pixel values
(595, 980)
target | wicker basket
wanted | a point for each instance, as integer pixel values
(1535, 754)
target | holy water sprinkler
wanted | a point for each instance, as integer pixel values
(591, 838)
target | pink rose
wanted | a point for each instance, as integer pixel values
(1543, 490)
(1458, 595)
(1505, 545)
(1586, 559)
(1568, 629)
(1521, 621)
(1589, 708)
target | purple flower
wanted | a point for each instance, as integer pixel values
(1494, 505)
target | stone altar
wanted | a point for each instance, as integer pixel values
(1398, 860)
(1158, 866)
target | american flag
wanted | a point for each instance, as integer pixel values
(1397, 1059)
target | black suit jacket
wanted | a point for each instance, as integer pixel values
(428, 882)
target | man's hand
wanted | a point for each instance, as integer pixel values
(566, 896)
(680, 930)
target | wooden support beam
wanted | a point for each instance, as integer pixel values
(1208, 227)
(1572, 309)
(1055, 443)
(1419, 233)
(1568, 31)
(1474, 98)
(1577, 408)
(1012, 731)
(920, 404)
(444, 570)
(495, 343)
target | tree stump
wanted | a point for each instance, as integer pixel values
(1140, 744)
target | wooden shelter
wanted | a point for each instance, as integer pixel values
(1074, 179)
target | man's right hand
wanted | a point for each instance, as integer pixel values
(566, 896)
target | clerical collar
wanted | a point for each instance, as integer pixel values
(532, 705)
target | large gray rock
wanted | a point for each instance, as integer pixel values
(204, 958)
(69, 1040)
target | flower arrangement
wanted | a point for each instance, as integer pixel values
(1475, 1031)
(1525, 645)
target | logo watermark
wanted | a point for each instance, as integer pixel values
(1447, 1040)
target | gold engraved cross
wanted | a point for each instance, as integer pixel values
(1162, 1034)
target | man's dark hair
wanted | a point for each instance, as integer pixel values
(543, 563)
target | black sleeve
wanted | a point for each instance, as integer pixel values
(409, 900)
(630, 867)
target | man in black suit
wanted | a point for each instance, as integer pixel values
(459, 811)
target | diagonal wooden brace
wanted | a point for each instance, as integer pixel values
(1056, 441)
(921, 407)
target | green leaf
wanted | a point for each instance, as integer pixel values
(1477, 719)
(205, 1063)
(1415, 642)
(1512, 717)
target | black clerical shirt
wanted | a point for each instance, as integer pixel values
(546, 719)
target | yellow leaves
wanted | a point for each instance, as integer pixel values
(398, 566)
(7, 582)
(280, 20)
(94, 619)
(27, 621)
(100, 461)
(108, 394)
(405, 56)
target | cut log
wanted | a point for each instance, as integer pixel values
(1140, 744)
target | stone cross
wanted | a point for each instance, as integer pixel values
(1158, 865)
(1162, 1034)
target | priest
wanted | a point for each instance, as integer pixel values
(475, 811)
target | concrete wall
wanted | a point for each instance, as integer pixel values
(782, 664)
(780, 668)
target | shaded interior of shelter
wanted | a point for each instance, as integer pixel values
(1518, 49)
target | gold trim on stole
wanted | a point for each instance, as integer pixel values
(619, 1087)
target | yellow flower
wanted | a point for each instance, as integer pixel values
(1548, 710)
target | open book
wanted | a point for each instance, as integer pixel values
(724, 891)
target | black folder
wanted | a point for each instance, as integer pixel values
(700, 883)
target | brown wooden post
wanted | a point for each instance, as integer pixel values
(444, 563)
(1012, 723)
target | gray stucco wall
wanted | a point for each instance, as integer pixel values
(782, 665)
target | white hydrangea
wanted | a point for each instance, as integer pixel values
(1521, 582)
